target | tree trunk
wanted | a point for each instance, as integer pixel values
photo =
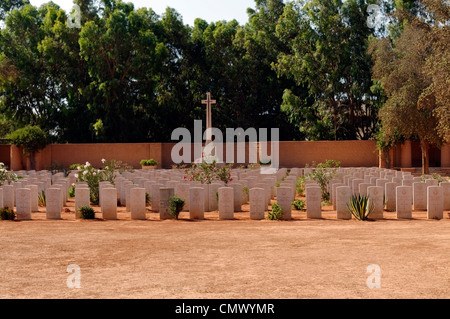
(425, 147)
(32, 161)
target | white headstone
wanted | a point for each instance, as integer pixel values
(376, 196)
(284, 199)
(343, 196)
(137, 203)
(390, 196)
(313, 202)
(237, 196)
(155, 196)
(419, 196)
(197, 203)
(53, 203)
(403, 198)
(8, 196)
(435, 202)
(109, 203)
(446, 193)
(164, 196)
(23, 204)
(81, 199)
(226, 202)
(257, 203)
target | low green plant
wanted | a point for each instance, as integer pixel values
(277, 185)
(147, 198)
(71, 191)
(176, 205)
(148, 162)
(360, 207)
(298, 204)
(245, 190)
(7, 213)
(300, 186)
(435, 176)
(217, 196)
(86, 212)
(41, 199)
(276, 213)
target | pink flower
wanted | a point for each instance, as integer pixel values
(190, 179)
(231, 179)
(184, 177)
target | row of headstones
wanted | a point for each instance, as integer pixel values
(393, 191)
(24, 193)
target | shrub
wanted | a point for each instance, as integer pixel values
(322, 174)
(360, 207)
(176, 205)
(7, 213)
(71, 191)
(208, 171)
(87, 173)
(298, 204)
(86, 212)
(148, 162)
(276, 213)
(31, 138)
(6, 176)
(300, 186)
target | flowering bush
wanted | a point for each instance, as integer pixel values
(208, 171)
(6, 176)
(87, 173)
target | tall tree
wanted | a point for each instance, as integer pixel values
(328, 41)
(413, 69)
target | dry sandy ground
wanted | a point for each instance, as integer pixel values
(303, 258)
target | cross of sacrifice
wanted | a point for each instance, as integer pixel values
(208, 103)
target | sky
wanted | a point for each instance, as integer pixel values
(209, 10)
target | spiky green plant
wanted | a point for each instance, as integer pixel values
(360, 207)
(41, 199)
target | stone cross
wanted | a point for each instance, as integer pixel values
(208, 103)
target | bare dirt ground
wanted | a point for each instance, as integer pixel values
(302, 258)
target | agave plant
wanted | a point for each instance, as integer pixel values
(360, 207)
(42, 199)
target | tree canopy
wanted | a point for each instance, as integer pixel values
(313, 68)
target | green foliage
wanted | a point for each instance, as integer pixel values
(435, 176)
(148, 162)
(7, 213)
(245, 190)
(323, 173)
(360, 207)
(207, 171)
(86, 212)
(92, 176)
(6, 176)
(298, 204)
(42, 199)
(300, 185)
(176, 205)
(71, 191)
(147, 199)
(276, 213)
(31, 138)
